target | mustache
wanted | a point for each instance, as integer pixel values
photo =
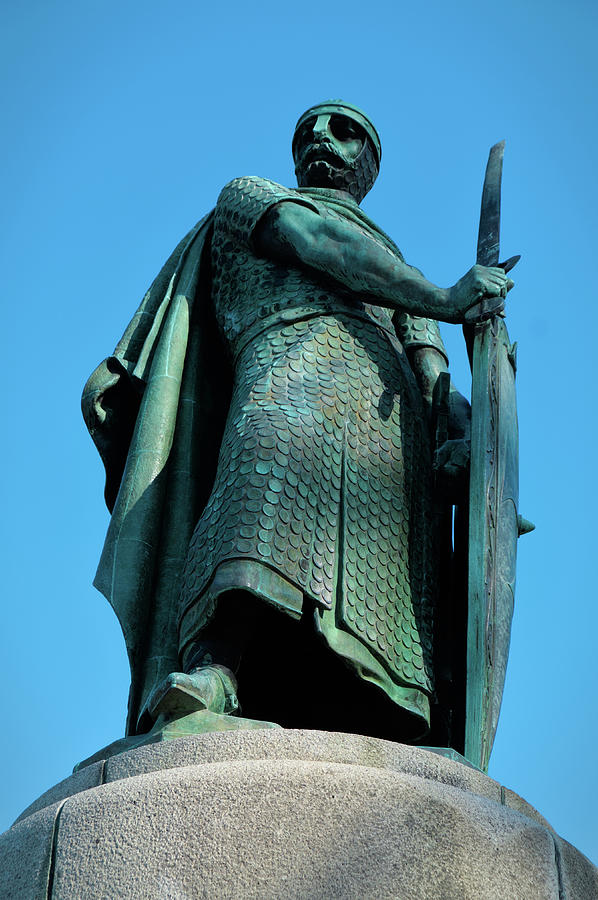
(321, 151)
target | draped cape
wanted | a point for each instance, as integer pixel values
(146, 411)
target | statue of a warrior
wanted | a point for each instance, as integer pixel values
(266, 423)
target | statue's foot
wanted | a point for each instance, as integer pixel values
(199, 702)
(212, 688)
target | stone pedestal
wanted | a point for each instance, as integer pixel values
(286, 814)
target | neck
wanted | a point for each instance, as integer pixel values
(331, 191)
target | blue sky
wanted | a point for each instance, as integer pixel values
(121, 124)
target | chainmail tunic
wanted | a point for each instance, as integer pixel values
(324, 469)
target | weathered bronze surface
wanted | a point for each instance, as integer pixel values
(267, 426)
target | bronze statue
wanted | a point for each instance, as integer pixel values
(267, 427)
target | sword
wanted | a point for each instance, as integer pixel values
(489, 231)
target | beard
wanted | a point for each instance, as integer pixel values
(320, 173)
(322, 166)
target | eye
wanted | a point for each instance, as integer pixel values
(304, 133)
(307, 127)
(345, 129)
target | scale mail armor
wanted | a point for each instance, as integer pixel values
(323, 488)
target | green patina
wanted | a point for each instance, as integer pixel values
(269, 429)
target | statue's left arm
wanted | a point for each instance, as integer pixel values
(427, 364)
(427, 356)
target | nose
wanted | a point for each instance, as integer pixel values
(321, 127)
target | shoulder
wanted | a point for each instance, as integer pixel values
(251, 188)
(244, 201)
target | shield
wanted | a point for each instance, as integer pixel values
(493, 532)
(494, 524)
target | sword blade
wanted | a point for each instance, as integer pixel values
(489, 233)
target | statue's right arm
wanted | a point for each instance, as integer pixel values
(297, 235)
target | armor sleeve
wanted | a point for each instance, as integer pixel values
(243, 202)
(415, 332)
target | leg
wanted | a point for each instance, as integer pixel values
(210, 664)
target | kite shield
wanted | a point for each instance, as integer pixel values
(493, 532)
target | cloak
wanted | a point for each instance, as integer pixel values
(145, 407)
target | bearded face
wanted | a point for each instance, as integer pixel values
(332, 150)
